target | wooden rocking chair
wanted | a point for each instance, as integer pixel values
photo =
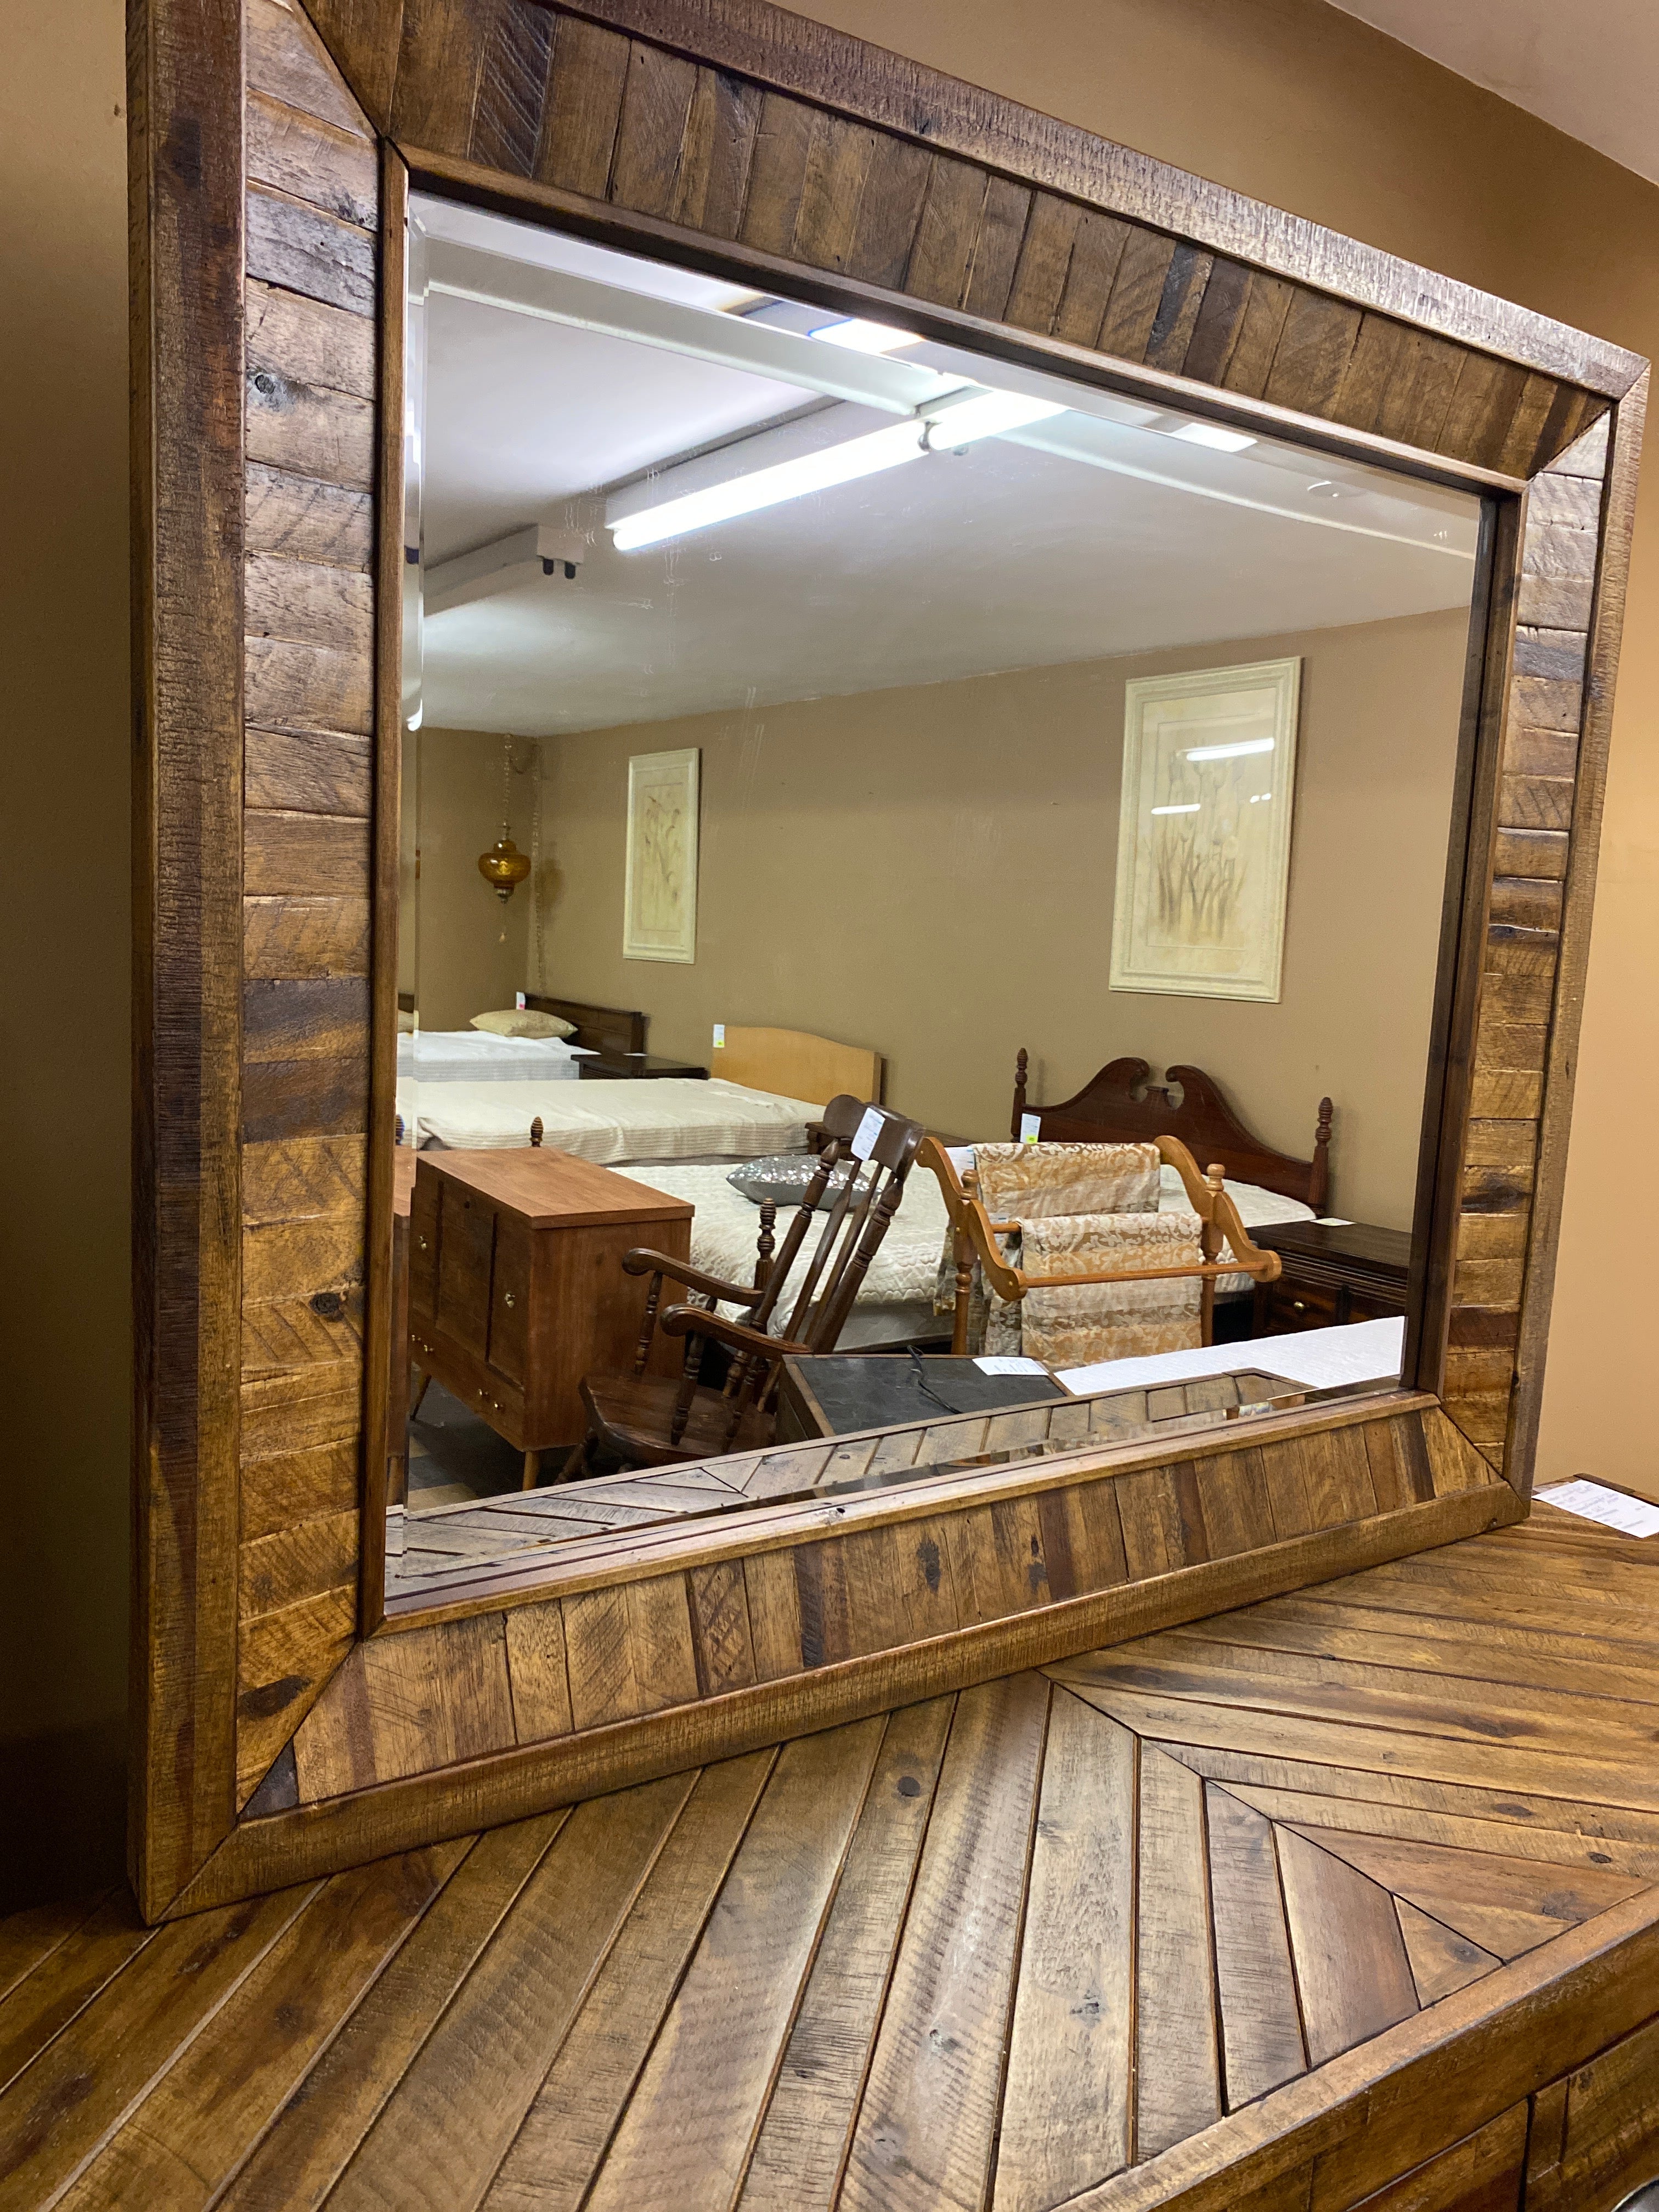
(974, 1238)
(646, 1420)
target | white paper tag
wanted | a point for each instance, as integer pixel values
(865, 1136)
(1593, 1501)
(1007, 1365)
(1030, 1129)
(517, 1000)
(720, 1036)
(961, 1158)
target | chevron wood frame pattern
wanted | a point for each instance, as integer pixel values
(1350, 1899)
(267, 292)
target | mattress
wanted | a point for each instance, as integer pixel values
(476, 1056)
(899, 1286)
(612, 1123)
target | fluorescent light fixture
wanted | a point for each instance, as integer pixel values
(1207, 433)
(984, 415)
(1192, 807)
(859, 337)
(1231, 752)
(987, 414)
(722, 503)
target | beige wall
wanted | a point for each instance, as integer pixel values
(1290, 100)
(929, 871)
(470, 951)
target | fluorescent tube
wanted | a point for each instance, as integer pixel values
(1207, 434)
(1192, 806)
(985, 415)
(1231, 752)
(720, 502)
(859, 337)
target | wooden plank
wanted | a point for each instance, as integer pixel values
(511, 91)
(943, 252)
(67, 1976)
(838, 164)
(890, 212)
(307, 856)
(1068, 2102)
(925, 2126)
(1177, 2068)
(1350, 1964)
(1149, 1513)
(286, 59)
(575, 2114)
(294, 1564)
(656, 103)
(1442, 1961)
(319, 348)
(292, 686)
(584, 106)
(1137, 290)
(1263, 2046)
(306, 250)
(777, 175)
(996, 249)
(1045, 258)
(306, 158)
(537, 1672)
(1312, 354)
(407, 1702)
(630, 1650)
(61, 2109)
(714, 158)
(688, 2129)
(447, 2125)
(1178, 308)
(1220, 321)
(184, 2140)
(299, 2162)
(803, 2137)
(307, 518)
(1082, 1535)
(28, 1938)
(307, 771)
(1482, 2173)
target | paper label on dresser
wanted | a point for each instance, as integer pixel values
(1593, 1501)
(1007, 1364)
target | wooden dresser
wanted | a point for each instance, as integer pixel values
(516, 1289)
(1335, 1272)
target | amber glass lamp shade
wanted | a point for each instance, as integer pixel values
(504, 867)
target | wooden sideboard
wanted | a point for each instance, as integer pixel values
(516, 1288)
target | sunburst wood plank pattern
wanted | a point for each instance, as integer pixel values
(313, 252)
(1049, 1942)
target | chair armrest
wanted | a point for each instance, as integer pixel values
(644, 1261)
(692, 1321)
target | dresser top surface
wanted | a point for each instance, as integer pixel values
(555, 1190)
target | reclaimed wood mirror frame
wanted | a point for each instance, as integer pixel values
(273, 151)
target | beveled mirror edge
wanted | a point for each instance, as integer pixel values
(185, 1806)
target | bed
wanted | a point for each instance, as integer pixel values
(478, 1056)
(1121, 1105)
(771, 1086)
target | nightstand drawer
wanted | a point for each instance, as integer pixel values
(1291, 1303)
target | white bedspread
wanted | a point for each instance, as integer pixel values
(478, 1056)
(725, 1226)
(1322, 1358)
(613, 1123)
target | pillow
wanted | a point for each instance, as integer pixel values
(783, 1179)
(405, 1023)
(523, 1022)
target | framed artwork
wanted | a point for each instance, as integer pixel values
(660, 894)
(1204, 832)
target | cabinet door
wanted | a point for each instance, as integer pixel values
(1482, 2173)
(1595, 2133)
(1294, 1303)
(424, 1245)
(509, 1298)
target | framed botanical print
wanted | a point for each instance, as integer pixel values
(1204, 832)
(659, 892)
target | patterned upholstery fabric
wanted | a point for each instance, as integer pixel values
(1098, 1321)
(1032, 1183)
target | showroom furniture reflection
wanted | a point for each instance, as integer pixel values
(1335, 1272)
(642, 1421)
(516, 1288)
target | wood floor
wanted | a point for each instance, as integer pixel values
(995, 1949)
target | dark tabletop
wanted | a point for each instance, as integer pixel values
(877, 1390)
(1357, 1243)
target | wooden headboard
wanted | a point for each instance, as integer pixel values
(1121, 1106)
(610, 1030)
(797, 1065)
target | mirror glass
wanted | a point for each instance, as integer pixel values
(841, 767)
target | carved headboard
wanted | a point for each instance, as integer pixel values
(610, 1030)
(1121, 1105)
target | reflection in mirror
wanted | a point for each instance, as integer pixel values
(921, 893)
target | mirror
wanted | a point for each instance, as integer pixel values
(840, 766)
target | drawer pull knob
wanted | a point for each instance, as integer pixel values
(1298, 1305)
(420, 1241)
(507, 1299)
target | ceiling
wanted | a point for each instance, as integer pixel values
(1087, 536)
(1590, 69)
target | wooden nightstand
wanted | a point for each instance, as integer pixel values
(640, 1067)
(1334, 1273)
(516, 1289)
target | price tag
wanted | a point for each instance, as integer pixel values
(865, 1136)
(1006, 1364)
(1594, 1501)
(1030, 1128)
(720, 1036)
(961, 1158)
(518, 1001)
